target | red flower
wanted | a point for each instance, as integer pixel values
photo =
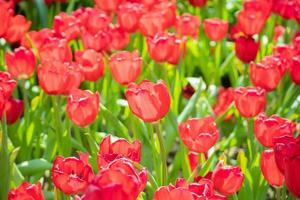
(246, 48)
(285, 53)
(125, 66)
(168, 11)
(57, 78)
(149, 101)
(55, 49)
(269, 168)
(227, 179)
(215, 29)
(198, 3)
(129, 15)
(98, 42)
(120, 180)
(66, 26)
(110, 151)
(151, 23)
(27, 191)
(284, 8)
(166, 48)
(188, 91)
(37, 38)
(108, 5)
(5, 15)
(287, 156)
(267, 73)
(91, 64)
(17, 27)
(119, 38)
(20, 63)
(71, 175)
(295, 70)
(199, 134)
(250, 101)
(225, 99)
(13, 109)
(7, 84)
(193, 159)
(83, 107)
(266, 129)
(94, 20)
(187, 25)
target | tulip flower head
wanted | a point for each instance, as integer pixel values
(215, 29)
(27, 191)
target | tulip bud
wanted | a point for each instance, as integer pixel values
(246, 49)
(13, 109)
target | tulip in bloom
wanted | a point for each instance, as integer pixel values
(168, 11)
(227, 179)
(55, 49)
(199, 135)
(125, 66)
(215, 29)
(110, 151)
(94, 20)
(246, 48)
(119, 38)
(119, 180)
(83, 107)
(285, 53)
(295, 70)
(266, 129)
(13, 110)
(98, 42)
(27, 191)
(148, 101)
(20, 63)
(225, 99)
(198, 3)
(267, 73)
(151, 23)
(250, 101)
(269, 168)
(91, 64)
(57, 78)
(37, 38)
(187, 25)
(66, 26)
(17, 27)
(108, 5)
(284, 8)
(7, 84)
(5, 15)
(71, 175)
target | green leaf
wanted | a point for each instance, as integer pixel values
(34, 166)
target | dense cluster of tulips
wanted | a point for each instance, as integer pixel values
(149, 99)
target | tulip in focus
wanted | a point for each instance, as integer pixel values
(27, 191)
(250, 101)
(148, 101)
(119, 148)
(215, 29)
(83, 107)
(21, 63)
(199, 135)
(270, 170)
(125, 66)
(227, 179)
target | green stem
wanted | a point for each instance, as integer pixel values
(235, 197)
(58, 123)
(4, 160)
(163, 155)
(278, 193)
(26, 116)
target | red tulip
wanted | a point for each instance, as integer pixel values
(95, 20)
(267, 73)
(108, 5)
(55, 49)
(120, 180)
(20, 63)
(199, 134)
(266, 129)
(83, 107)
(187, 25)
(110, 151)
(198, 3)
(57, 78)
(284, 8)
(5, 15)
(188, 91)
(98, 42)
(7, 84)
(71, 175)
(269, 168)
(250, 101)
(13, 109)
(129, 15)
(287, 156)
(148, 101)
(285, 53)
(193, 159)
(246, 49)
(91, 64)
(37, 38)
(26, 191)
(119, 38)
(166, 48)
(225, 99)
(227, 179)
(295, 70)
(215, 29)
(17, 27)
(168, 11)
(125, 66)
(151, 23)
(66, 26)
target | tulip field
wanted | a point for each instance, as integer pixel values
(149, 99)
